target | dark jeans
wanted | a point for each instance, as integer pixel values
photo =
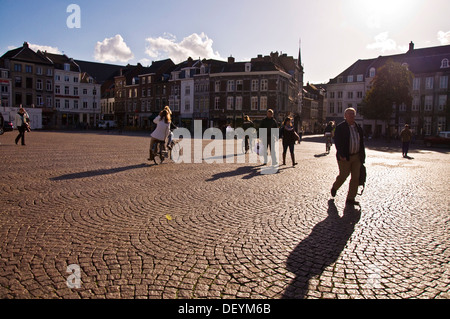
(405, 148)
(21, 135)
(291, 148)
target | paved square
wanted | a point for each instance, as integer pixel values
(134, 230)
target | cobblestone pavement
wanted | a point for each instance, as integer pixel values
(220, 230)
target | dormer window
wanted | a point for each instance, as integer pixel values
(372, 72)
(350, 79)
(248, 67)
(444, 64)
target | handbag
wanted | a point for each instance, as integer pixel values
(362, 178)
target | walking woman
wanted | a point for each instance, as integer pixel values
(22, 124)
(289, 136)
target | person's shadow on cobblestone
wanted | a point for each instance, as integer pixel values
(97, 172)
(320, 249)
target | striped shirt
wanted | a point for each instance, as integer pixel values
(354, 139)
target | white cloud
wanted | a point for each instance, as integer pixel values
(444, 37)
(383, 43)
(36, 47)
(113, 49)
(194, 46)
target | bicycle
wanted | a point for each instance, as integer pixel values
(328, 142)
(161, 154)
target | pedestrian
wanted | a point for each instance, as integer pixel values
(350, 154)
(269, 123)
(161, 131)
(22, 120)
(405, 136)
(289, 136)
(245, 126)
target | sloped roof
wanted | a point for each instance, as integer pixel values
(25, 54)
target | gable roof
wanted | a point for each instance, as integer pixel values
(25, 54)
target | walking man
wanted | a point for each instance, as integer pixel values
(350, 153)
(405, 136)
(269, 123)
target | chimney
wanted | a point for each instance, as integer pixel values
(230, 60)
(411, 46)
(25, 44)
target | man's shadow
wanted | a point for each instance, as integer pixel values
(320, 249)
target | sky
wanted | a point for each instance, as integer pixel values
(332, 34)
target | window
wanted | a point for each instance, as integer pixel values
(339, 107)
(239, 103)
(17, 67)
(187, 90)
(350, 78)
(49, 72)
(57, 103)
(254, 103)
(340, 95)
(350, 95)
(85, 105)
(416, 84)
(75, 104)
(444, 64)
(48, 86)
(429, 83)
(57, 89)
(264, 85)
(217, 86)
(359, 95)
(331, 95)
(75, 91)
(66, 67)
(39, 100)
(66, 90)
(372, 72)
(331, 108)
(49, 101)
(428, 103)
(29, 83)
(359, 78)
(415, 104)
(217, 103)
(38, 70)
(442, 102)
(75, 79)
(39, 85)
(239, 85)
(28, 69)
(230, 102)
(248, 67)
(57, 77)
(187, 105)
(230, 86)
(18, 82)
(255, 85)
(443, 82)
(66, 104)
(263, 103)
(66, 78)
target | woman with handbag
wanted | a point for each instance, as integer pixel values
(289, 136)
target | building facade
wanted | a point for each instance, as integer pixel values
(32, 81)
(429, 111)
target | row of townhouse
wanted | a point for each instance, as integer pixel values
(215, 92)
(429, 112)
(51, 85)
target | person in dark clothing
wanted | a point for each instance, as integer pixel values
(22, 125)
(350, 154)
(269, 123)
(245, 126)
(289, 136)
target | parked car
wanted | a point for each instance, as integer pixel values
(104, 124)
(442, 139)
(8, 126)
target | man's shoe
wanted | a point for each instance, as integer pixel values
(333, 192)
(351, 202)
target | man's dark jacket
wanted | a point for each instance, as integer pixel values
(268, 123)
(342, 141)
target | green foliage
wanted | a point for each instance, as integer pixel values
(391, 85)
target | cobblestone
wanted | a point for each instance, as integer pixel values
(91, 199)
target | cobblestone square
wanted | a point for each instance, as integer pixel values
(224, 230)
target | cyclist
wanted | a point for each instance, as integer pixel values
(329, 133)
(161, 131)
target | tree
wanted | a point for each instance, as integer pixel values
(390, 87)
